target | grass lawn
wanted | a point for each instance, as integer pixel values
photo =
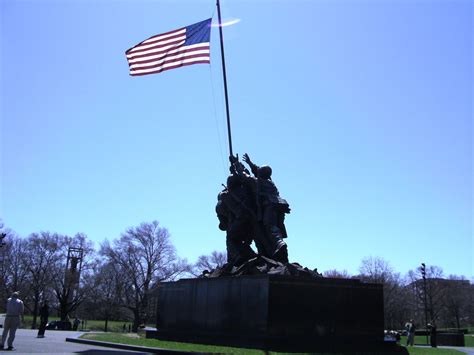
(469, 340)
(434, 351)
(112, 326)
(28, 321)
(421, 340)
(134, 339)
(96, 325)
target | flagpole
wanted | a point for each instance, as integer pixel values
(225, 78)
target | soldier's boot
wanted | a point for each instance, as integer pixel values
(281, 253)
(279, 249)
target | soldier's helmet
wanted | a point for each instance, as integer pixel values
(265, 172)
(233, 181)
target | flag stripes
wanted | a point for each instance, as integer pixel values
(174, 49)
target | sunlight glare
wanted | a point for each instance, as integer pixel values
(226, 23)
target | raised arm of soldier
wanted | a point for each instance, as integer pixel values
(236, 167)
(253, 166)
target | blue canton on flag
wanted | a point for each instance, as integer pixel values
(185, 46)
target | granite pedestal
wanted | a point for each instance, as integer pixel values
(272, 312)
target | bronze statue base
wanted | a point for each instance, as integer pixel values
(272, 312)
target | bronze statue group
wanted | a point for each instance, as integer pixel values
(250, 209)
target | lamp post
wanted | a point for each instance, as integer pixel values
(423, 275)
(2, 252)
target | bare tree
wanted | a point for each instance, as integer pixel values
(13, 272)
(435, 293)
(143, 256)
(375, 269)
(470, 304)
(336, 274)
(209, 262)
(70, 291)
(456, 302)
(105, 288)
(436, 290)
(378, 270)
(43, 253)
(3, 233)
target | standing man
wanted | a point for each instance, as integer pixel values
(44, 314)
(76, 323)
(15, 309)
(410, 326)
(432, 328)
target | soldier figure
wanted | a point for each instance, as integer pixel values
(235, 212)
(270, 209)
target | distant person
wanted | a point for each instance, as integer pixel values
(76, 323)
(432, 328)
(44, 314)
(410, 327)
(15, 310)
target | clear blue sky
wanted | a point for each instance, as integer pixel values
(362, 108)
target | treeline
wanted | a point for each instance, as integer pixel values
(115, 280)
(118, 280)
(449, 299)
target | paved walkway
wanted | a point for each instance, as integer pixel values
(26, 342)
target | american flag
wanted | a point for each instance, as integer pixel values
(185, 46)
